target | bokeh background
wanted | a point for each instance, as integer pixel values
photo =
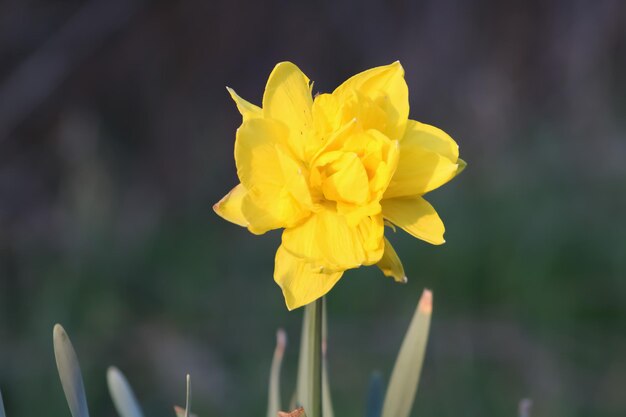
(116, 138)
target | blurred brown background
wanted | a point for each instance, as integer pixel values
(116, 137)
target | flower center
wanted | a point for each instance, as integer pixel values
(342, 177)
(353, 171)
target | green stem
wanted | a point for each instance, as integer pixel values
(316, 358)
(309, 386)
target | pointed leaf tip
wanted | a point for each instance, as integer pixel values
(69, 372)
(281, 340)
(406, 372)
(188, 400)
(374, 403)
(426, 302)
(525, 407)
(122, 394)
(273, 401)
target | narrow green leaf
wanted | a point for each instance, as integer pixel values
(188, 399)
(406, 372)
(525, 407)
(1, 406)
(374, 404)
(309, 383)
(185, 412)
(327, 403)
(462, 165)
(69, 373)
(122, 394)
(273, 403)
(292, 402)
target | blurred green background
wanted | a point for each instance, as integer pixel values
(116, 138)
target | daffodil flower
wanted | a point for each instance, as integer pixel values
(332, 171)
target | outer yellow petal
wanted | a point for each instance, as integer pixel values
(256, 154)
(386, 87)
(416, 216)
(276, 184)
(270, 209)
(328, 240)
(301, 282)
(287, 98)
(229, 207)
(423, 164)
(432, 139)
(247, 109)
(391, 265)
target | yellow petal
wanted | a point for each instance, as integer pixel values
(301, 282)
(387, 88)
(271, 208)
(347, 180)
(287, 98)
(229, 207)
(327, 239)
(391, 265)
(423, 164)
(416, 216)
(275, 182)
(432, 139)
(255, 152)
(247, 109)
(372, 230)
(325, 112)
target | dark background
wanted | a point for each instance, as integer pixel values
(116, 138)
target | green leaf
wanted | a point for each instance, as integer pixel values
(122, 394)
(273, 403)
(1, 406)
(406, 372)
(188, 399)
(185, 412)
(69, 372)
(327, 403)
(525, 407)
(292, 402)
(462, 165)
(309, 383)
(374, 405)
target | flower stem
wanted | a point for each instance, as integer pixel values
(309, 385)
(316, 358)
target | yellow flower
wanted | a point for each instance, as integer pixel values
(332, 171)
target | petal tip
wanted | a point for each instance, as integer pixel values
(291, 304)
(400, 279)
(426, 302)
(217, 208)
